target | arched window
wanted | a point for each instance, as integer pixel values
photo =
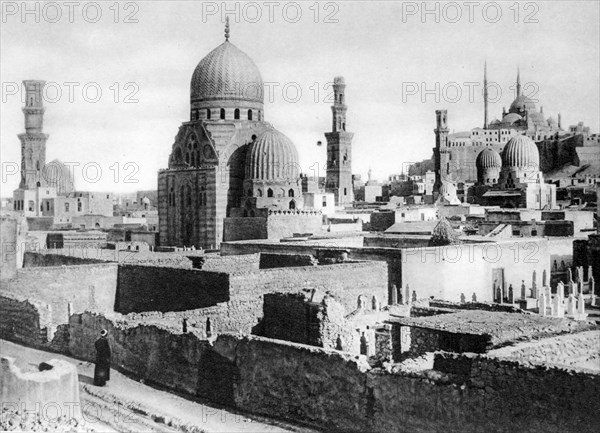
(236, 114)
(249, 114)
(208, 113)
(38, 184)
(292, 204)
(47, 205)
(37, 165)
(269, 192)
(66, 207)
(259, 192)
(291, 193)
(222, 113)
(345, 191)
(259, 115)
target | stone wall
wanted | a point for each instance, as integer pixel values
(157, 354)
(20, 321)
(150, 288)
(345, 281)
(57, 289)
(35, 259)
(242, 228)
(268, 260)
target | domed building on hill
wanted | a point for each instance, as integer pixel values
(520, 182)
(231, 175)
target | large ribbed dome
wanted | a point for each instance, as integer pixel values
(520, 151)
(488, 158)
(272, 156)
(227, 73)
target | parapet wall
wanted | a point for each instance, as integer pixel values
(36, 259)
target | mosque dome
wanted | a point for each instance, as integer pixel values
(520, 151)
(488, 158)
(227, 73)
(522, 103)
(58, 175)
(272, 156)
(511, 118)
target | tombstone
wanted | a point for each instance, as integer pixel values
(590, 272)
(208, 328)
(339, 344)
(374, 303)
(497, 294)
(462, 298)
(534, 285)
(394, 294)
(523, 290)
(571, 305)
(580, 287)
(580, 305)
(571, 287)
(542, 304)
(544, 277)
(407, 295)
(580, 274)
(569, 274)
(361, 303)
(560, 289)
(592, 287)
(414, 296)
(511, 294)
(559, 308)
(474, 297)
(184, 325)
(552, 302)
(364, 345)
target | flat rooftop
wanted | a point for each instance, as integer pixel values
(499, 326)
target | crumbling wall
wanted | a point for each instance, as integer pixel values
(61, 288)
(20, 321)
(151, 288)
(345, 281)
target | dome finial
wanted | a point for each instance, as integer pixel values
(227, 28)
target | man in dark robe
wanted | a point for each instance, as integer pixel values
(102, 370)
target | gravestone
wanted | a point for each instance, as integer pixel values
(571, 305)
(542, 304)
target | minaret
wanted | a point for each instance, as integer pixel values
(339, 149)
(227, 29)
(33, 141)
(485, 97)
(518, 82)
(439, 152)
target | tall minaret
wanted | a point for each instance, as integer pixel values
(440, 151)
(33, 141)
(518, 82)
(339, 149)
(485, 97)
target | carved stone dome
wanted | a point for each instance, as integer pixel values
(521, 152)
(272, 156)
(488, 158)
(447, 189)
(226, 74)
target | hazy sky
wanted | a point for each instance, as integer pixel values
(388, 52)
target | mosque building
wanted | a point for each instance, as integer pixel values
(46, 195)
(472, 159)
(231, 174)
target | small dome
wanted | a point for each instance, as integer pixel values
(522, 152)
(511, 118)
(522, 103)
(339, 80)
(227, 73)
(272, 156)
(488, 158)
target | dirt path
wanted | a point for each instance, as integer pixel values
(126, 405)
